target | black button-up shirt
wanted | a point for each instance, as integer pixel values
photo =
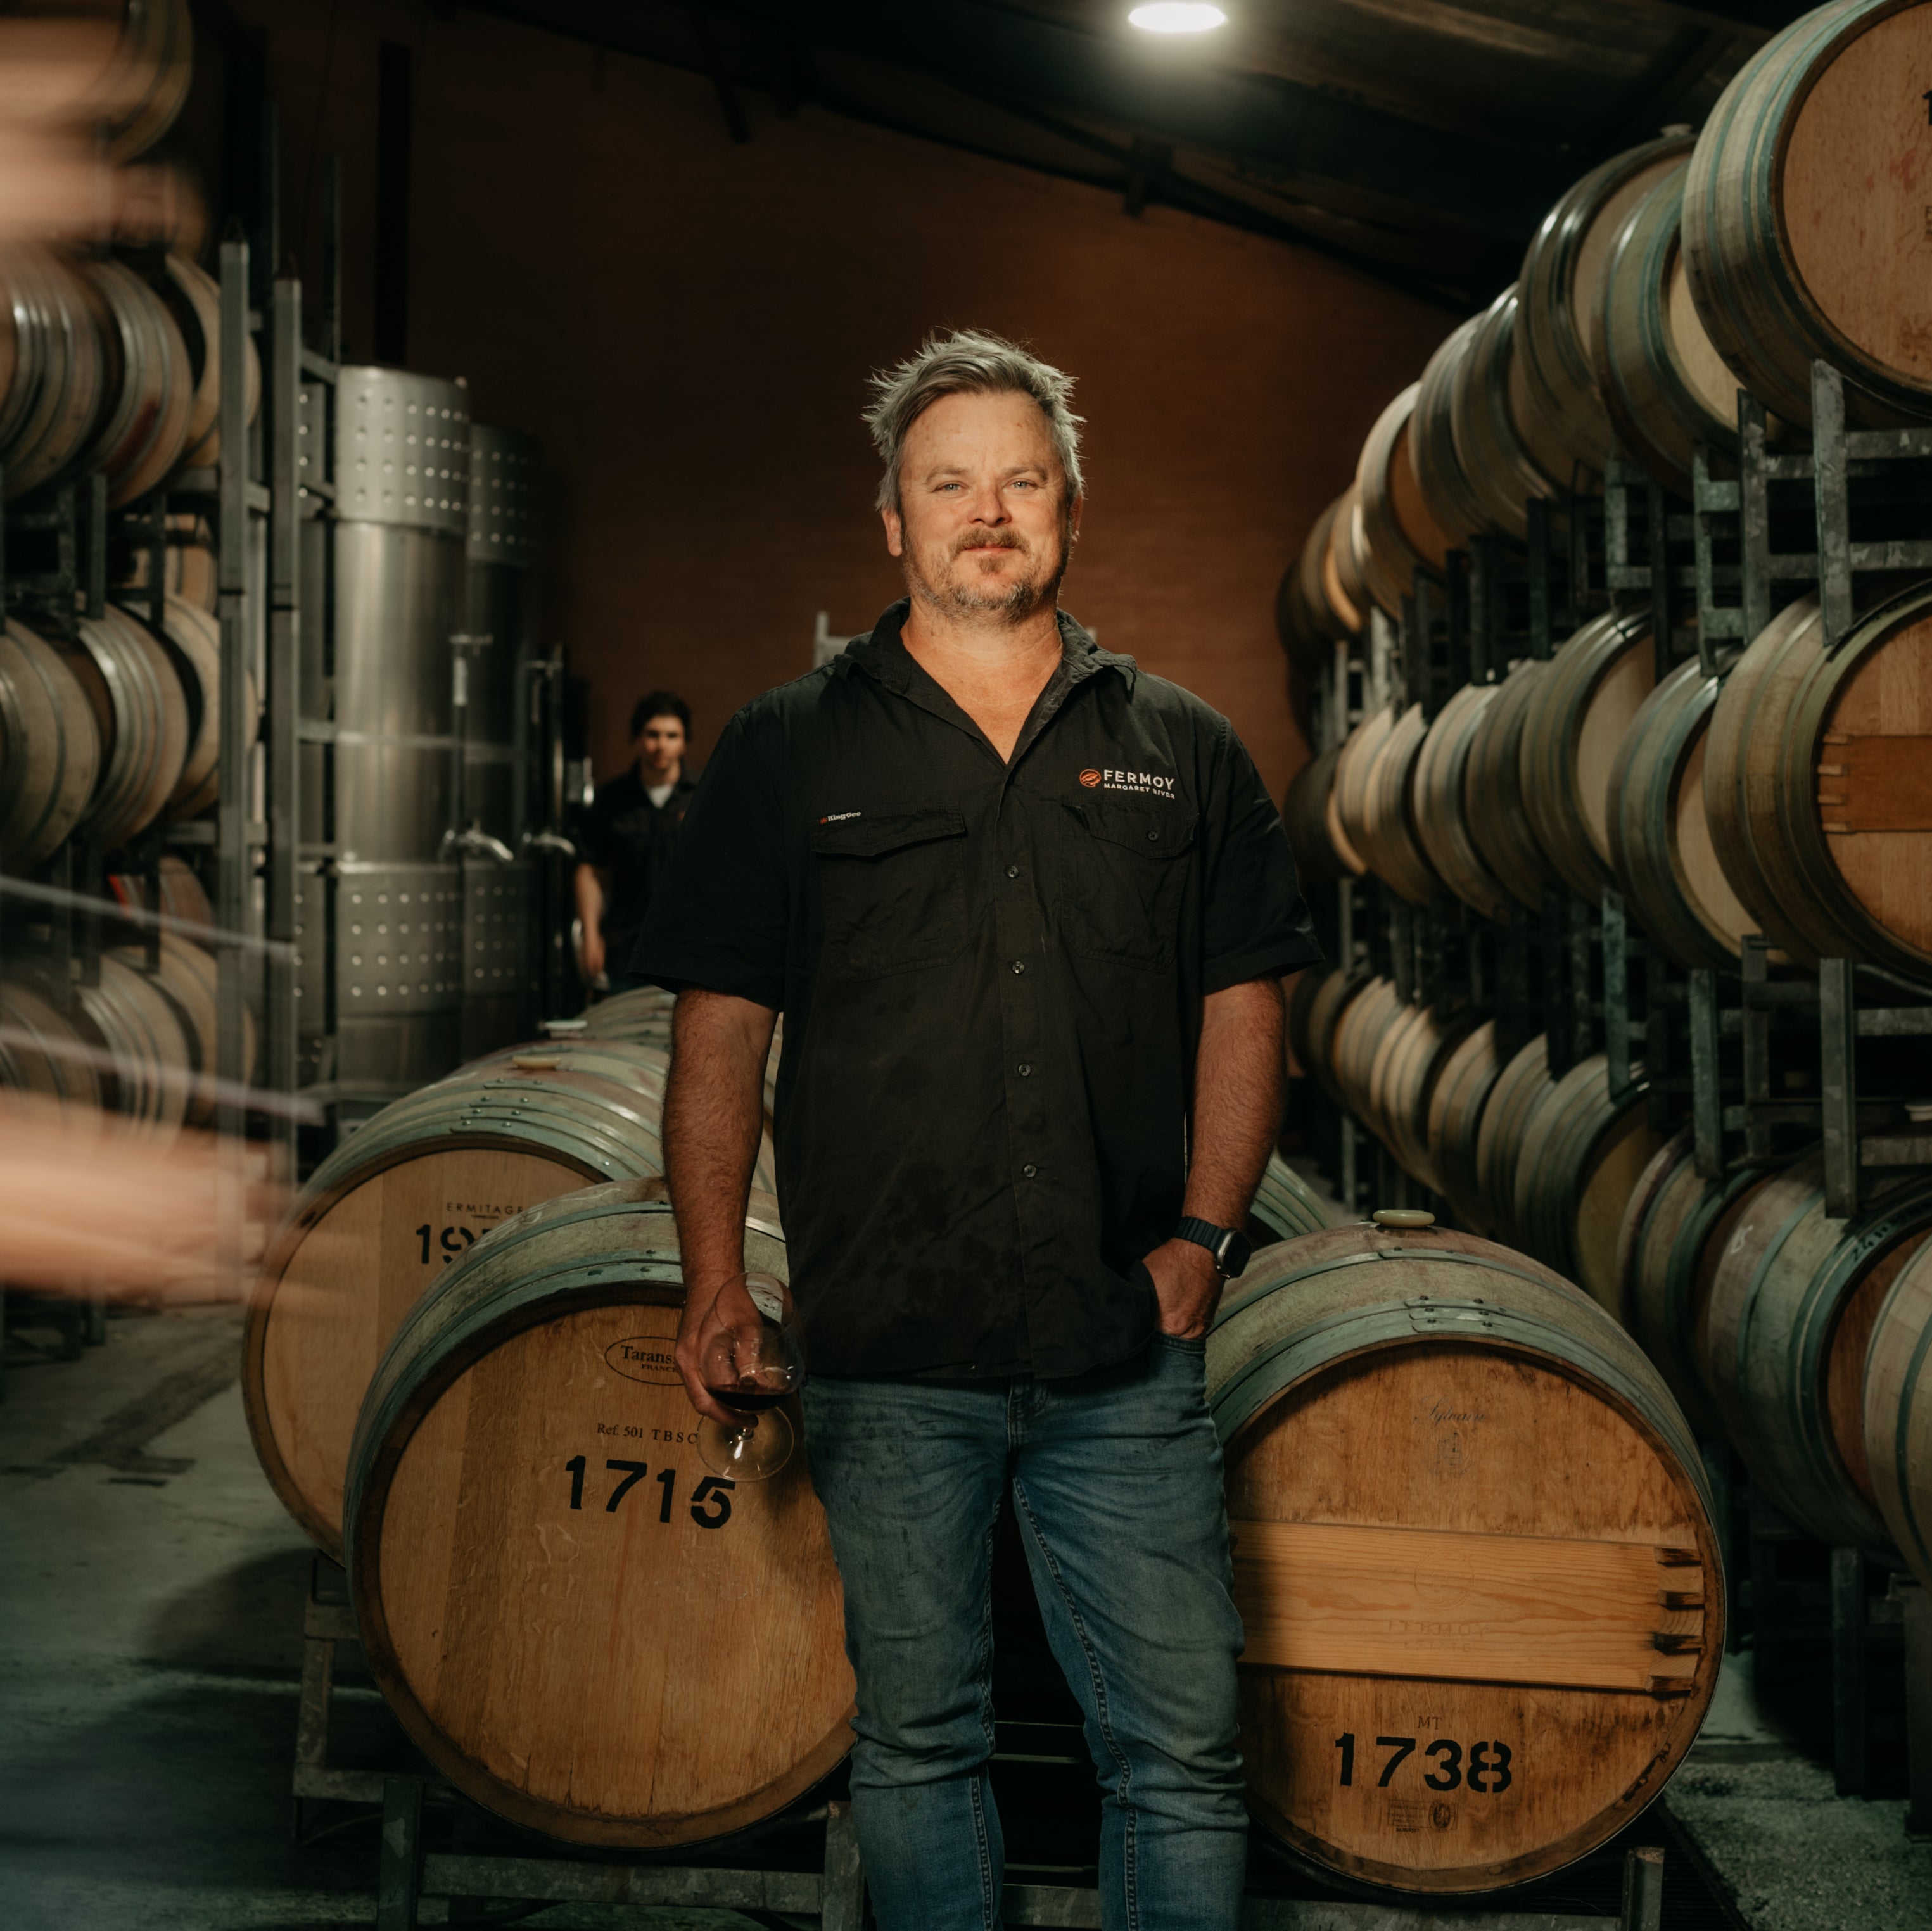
(625, 834)
(991, 975)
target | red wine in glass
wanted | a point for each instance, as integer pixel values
(752, 1363)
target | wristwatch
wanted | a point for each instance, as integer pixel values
(1230, 1247)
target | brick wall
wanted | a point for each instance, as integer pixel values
(688, 323)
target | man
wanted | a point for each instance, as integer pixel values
(1025, 910)
(627, 839)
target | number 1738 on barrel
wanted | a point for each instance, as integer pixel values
(1484, 1767)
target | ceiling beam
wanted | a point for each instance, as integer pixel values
(1290, 129)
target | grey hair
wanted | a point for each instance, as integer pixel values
(968, 361)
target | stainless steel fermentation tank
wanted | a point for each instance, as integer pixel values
(501, 880)
(381, 996)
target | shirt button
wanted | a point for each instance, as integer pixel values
(1019, 965)
(1030, 1171)
(1013, 871)
(1154, 838)
(1026, 1070)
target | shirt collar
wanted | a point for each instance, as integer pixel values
(882, 652)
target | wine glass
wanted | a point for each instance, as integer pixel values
(750, 1359)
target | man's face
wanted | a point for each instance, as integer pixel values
(659, 747)
(983, 524)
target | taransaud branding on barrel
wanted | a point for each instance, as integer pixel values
(1444, 1414)
(645, 1357)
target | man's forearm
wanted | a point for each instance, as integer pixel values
(713, 1117)
(589, 893)
(1240, 1085)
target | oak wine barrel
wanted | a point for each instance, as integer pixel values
(141, 712)
(1584, 1149)
(582, 1629)
(1439, 790)
(1284, 1205)
(1450, 496)
(1659, 835)
(1326, 1008)
(1354, 776)
(1495, 813)
(1360, 1029)
(1794, 1299)
(151, 389)
(1477, 1652)
(1802, 199)
(144, 79)
(1666, 387)
(1319, 604)
(1575, 723)
(50, 749)
(1675, 1229)
(39, 1054)
(1397, 527)
(399, 1203)
(1898, 1405)
(1505, 449)
(1520, 1088)
(187, 973)
(1305, 817)
(1384, 832)
(1818, 784)
(1456, 1103)
(1563, 274)
(194, 297)
(57, 377)
(134, 1016)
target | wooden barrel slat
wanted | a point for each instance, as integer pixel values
(1439, 788)
(1330, 1002)
(1507, 458)
(1665, 386)
(1455, 1104)
(39, 1062)
(1660, 843)
(50, 749)
(1494, 808)
(1563, 276)
(1396, 526)
(1781, 1294)
(1283, 1205)
(1383, 831)
(1898, 1412)
(1519, 1089)
(1527, 1455)
(588, 1674)
(1584, 1149)
(1571, 731)
(1305, 816)
(1453, 502)
(1812, 783)
(1823, 119)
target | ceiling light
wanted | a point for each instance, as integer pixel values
(1177, 16)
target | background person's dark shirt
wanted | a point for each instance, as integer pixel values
(991, 978)
(625, 834)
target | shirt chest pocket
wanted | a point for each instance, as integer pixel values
(892, 890)
(1126, 872)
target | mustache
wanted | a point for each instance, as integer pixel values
(989, 539)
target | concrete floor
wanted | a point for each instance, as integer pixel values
(151, 1592)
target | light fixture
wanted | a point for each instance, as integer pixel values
(1177, 16)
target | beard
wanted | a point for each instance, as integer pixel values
(972, 590)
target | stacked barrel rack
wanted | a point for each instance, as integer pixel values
(1618, 829)
(224, 684)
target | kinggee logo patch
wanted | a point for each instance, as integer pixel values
(1142, 783)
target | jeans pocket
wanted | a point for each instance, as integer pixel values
(1181, 1345)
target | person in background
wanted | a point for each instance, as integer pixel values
(627, 839)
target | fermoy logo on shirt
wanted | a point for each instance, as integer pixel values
(1142, 783)
(839, 817)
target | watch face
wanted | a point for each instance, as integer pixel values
(1232, 1252)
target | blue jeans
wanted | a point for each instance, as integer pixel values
(1116, 1481)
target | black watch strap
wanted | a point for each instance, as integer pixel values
(1229, 1245)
